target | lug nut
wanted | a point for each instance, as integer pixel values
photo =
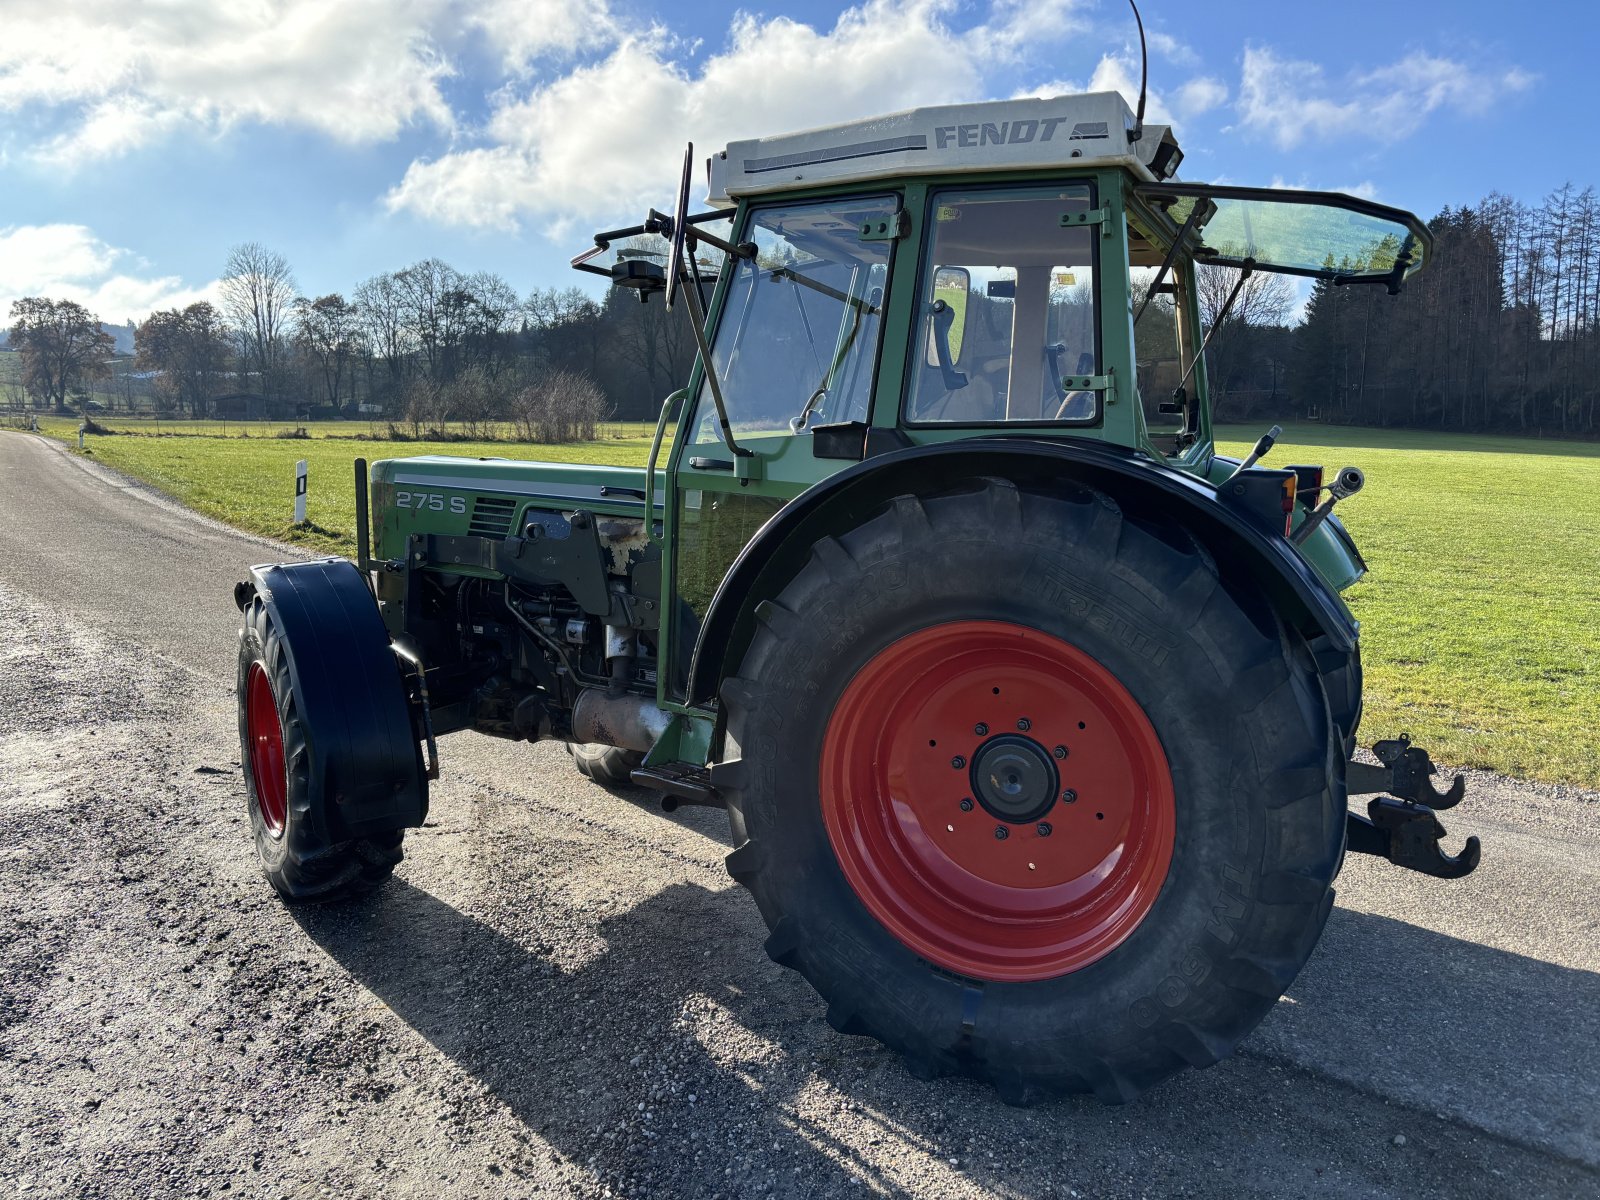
(966, 805)
(958, 762)
(1069, 796)
(1001, 833)
(980, 729)
(1044, 829)
(1059, 752)
(1024, 724)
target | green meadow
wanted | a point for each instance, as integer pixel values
(1480, 615)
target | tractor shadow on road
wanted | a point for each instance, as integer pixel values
(785, 1106)
(1502, 1041)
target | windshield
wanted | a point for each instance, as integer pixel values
(798, 336)
(1317, 234)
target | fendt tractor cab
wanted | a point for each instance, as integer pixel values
(1033, 716)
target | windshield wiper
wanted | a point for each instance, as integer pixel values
(798, 423)
(833, 293)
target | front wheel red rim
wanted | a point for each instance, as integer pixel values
(998, 800)
(264, 730)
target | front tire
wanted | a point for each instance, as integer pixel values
(609, 766)
(938, 686)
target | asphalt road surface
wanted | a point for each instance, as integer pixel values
(562, 993)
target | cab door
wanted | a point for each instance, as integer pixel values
(798, 329)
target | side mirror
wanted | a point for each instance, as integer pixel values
(946, 336)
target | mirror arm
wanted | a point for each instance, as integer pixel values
(942, 318)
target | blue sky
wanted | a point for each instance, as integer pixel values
(139, 141)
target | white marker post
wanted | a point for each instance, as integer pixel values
(300, 492)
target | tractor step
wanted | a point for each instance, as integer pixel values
(681, 784)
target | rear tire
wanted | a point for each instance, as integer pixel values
(289, 818)
(1032, 981)
(609, 766)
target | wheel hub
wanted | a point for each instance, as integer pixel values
(1015, 778)
(265, 731)
(944, 754)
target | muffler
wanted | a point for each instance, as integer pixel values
(617, 719)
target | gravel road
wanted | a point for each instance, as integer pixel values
(562, 993)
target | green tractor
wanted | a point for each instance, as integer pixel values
(1034, 717)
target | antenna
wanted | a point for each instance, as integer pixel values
(1144, 75)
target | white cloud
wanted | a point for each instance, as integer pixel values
(602, 141)
(1015, 26)
(1291, 100)
(1199, 95)
(359, 71)
(1366, 189)
(524, 30)
(1170, 47)
(1114, 73)
(1120, 73)
(68, 262)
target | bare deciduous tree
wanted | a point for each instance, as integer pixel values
(258, 293)
(189, 349)
(327, 330)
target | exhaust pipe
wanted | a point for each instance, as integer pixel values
(613, 719)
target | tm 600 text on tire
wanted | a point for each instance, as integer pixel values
(1028, 793)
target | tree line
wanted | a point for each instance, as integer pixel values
(425, 346)
(1501, 332)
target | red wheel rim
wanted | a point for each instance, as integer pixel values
(265, 731)
(946, 737)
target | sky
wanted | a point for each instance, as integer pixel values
(141, 139)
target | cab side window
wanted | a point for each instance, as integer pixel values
(1006, 316)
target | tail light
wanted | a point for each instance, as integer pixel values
(1308, 482)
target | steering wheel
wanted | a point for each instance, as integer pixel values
(680, 228)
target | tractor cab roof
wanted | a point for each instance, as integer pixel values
(1096, 129)
(1319, 235)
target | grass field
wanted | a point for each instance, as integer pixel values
(1480, 618)
(249, 482)
(1481, 612)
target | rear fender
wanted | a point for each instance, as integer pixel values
(352, 697)
(1138, 484)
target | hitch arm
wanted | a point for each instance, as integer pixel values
(1408, 835)
(1403, 825)
(1406, 772)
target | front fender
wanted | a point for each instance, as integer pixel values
(350, 694)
